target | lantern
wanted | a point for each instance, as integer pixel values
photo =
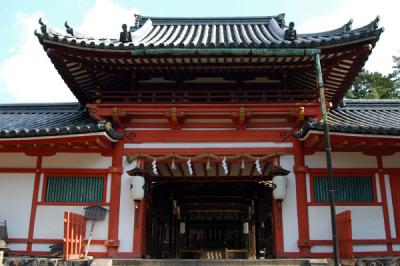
(182, 228)
(246, 228)
(280, 187)
(137, 185)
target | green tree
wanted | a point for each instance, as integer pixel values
(375, 85)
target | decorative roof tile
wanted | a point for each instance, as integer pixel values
(232, 32)
(38, 120)
(374, 117)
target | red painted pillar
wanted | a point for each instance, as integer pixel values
(301, 198)
(34, 202)
(278, 228)
(140, 226)
(113, 224)
(384, 205)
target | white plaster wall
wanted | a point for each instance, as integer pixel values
(17, 247)
(390, 207)
(341, 160)
(367, 248)
(392, 161)
(17, 159)
(322, 248)
(16, 191)
(396, 247)
(50, 224)
(289, 209)
(77, 160)
(126, 213)
(367, 223)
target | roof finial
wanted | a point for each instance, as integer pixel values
(348, 25)
(69, 29)
(43, 27)
(374, 24)
(125, 35)
(137, 21)
(290, 33)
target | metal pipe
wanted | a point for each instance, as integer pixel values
(331, 187)
(223, 52)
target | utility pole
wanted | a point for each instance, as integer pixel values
(331, 187)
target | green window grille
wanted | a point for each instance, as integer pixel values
(352, 189)
(75, 189)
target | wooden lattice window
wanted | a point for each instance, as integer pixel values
(348, 189)
(88, 189)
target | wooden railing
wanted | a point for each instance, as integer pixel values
(74, 235)
(345, 238)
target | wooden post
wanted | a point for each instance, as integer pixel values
(139, 234)
(301, 198)
(113, 224)
(252, 242)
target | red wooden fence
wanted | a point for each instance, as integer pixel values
(74, 235)
(345, 238)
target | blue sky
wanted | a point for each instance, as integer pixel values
(27, 75)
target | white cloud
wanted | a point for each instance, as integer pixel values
(362, 12)
(28, 74)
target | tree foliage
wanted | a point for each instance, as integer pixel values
(375, 85)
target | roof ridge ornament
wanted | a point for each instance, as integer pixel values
(125, 35)
(290, 33)
(347, 27)
(68, 28)
(136, 24)
(43, 26)
(375, 23)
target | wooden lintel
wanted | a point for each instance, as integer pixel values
(242, 118)
(300, 115)
(311, 141)
(175, 118)
(103, 143)
(116, 116)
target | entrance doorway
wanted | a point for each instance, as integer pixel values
(210, 220)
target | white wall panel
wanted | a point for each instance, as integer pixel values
(367, 223)
(76, 160)
(17, 159)
(16, 192)
(50, 222)
(392, 161)
(342, 160)
(289, 208)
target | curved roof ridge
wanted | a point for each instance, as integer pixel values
(280, 18)
(338, 31)
(42, 107)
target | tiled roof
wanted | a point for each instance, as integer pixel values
(374, 117)
(38, 120)
(233, 32)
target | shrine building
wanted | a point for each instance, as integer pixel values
(201, 138)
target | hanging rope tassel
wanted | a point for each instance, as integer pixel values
(154, 165)
(258, 166)
(225, 165)
(242, 165)
(208, 165)
(189, 165)
(173, 166)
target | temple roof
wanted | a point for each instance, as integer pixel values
(367, 117)
(232, 32)
(169, 60)
(40, 120)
